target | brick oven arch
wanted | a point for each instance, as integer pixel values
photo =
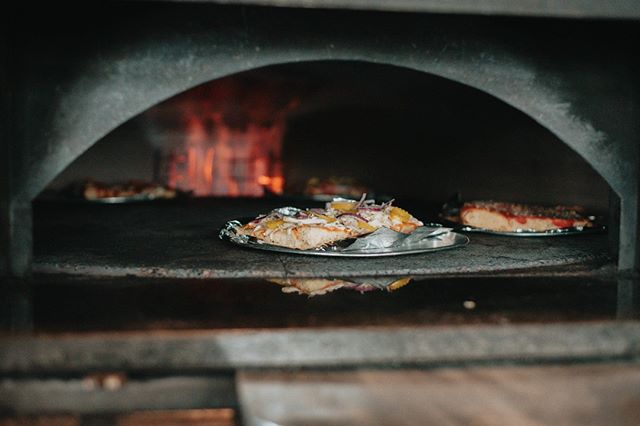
(84, 97)
(111, 92)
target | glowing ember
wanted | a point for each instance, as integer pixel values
(231, 142)
(275, 184)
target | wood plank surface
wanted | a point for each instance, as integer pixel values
(595, 394)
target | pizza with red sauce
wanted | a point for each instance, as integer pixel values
(512, 217)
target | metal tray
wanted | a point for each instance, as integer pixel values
(137, 198)
(123, 200)
(551, 233)
(438, 243)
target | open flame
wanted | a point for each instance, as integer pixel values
(274, 183)
(227, 162)
(228, 141)
(231, 147)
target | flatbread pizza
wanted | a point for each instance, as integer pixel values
(513, 217)
(340, 219)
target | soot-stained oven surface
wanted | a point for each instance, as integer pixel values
(143, 298)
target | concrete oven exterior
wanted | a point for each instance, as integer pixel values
(69, 77)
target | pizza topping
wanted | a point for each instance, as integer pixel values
(324, 217)
(355, 220)
(312, 228)
(274, 223)
(258, 219)
(366, 227)
(356, 215)
(399, 214)
(307, 220)
(342, 205)
(398, 283)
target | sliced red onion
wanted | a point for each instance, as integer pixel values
(259, 219)
(307, 220)
(301, 215)
(388, 203)
(354, 215)
(362, 288)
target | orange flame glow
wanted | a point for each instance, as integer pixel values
(275, 184)
(227, 163)
(231, 142)
(207, 168)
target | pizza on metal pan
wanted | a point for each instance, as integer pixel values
(340, 219)
(512, 217)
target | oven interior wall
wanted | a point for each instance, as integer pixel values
(402, 133)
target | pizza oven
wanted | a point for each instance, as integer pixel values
(118, 310)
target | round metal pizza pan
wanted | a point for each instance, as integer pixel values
(119, 200)
(551, 233)
(442, 242)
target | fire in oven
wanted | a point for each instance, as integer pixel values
(225, 213)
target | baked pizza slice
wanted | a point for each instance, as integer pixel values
(298, 229)
(339, 220)
(512, 217)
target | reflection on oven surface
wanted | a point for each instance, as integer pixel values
(62, 304)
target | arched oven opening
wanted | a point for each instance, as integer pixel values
(394, 130)
(301, 134)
